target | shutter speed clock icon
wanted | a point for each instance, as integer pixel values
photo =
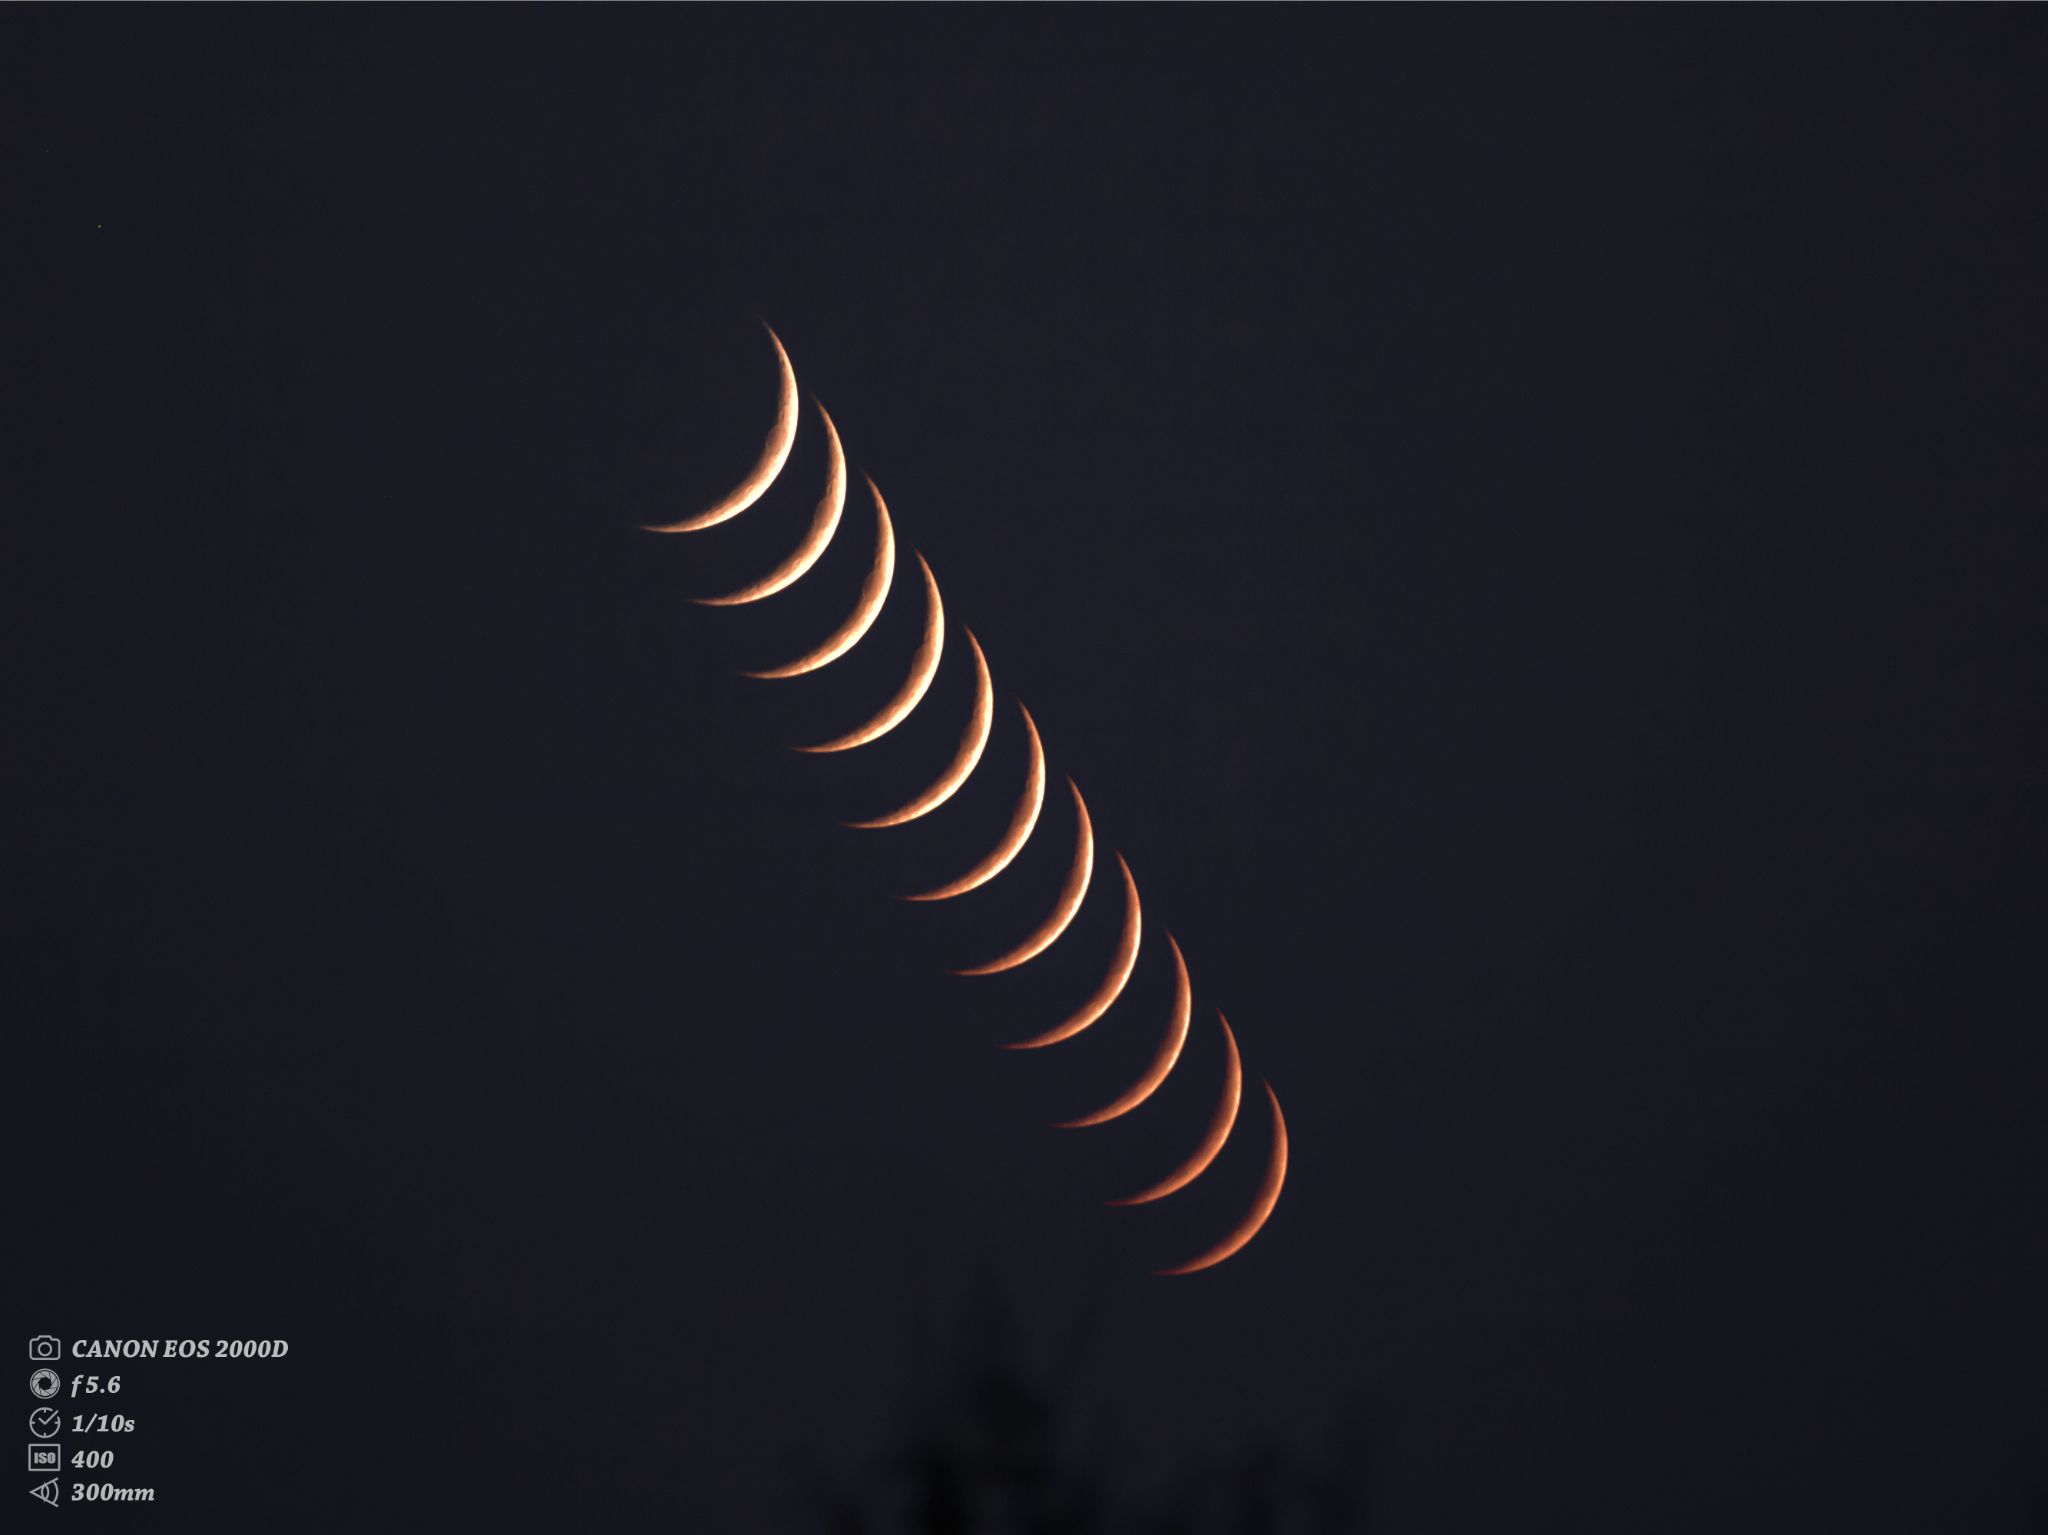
(44, 1422)
(44, 1383)
(42, 1346)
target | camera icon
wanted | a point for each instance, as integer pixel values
(42, 1346)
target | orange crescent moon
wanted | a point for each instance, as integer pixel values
(924, 666)
(973, 742)
(1069, 900)
(1022, 821)
(1163, 1060)
(874, 591)
(1114, 979)
(824, 523)
(774, 454)
(1262, 1204)
(1220, 1124)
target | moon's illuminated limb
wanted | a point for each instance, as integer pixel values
(1114, 980)
(1064, 908)
(1163, 1060)
(774, 454)
(1213, 1138)
(874, 591)
(824, 523)
(973, 742)
(1022, 821)
(924, 666)
(1262, 1205)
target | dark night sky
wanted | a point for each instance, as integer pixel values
(1526, 525)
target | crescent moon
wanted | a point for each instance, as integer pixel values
(1220, 1124)
(924, 666)
(1069, 902)
(774, 454)
(1262, 1204)
(1163, 1060)
(1114, 979)
(874, 591)
(824, 523)
(973, 742)
(1022, 821)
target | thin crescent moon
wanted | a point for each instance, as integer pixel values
(874, 591)
(824, 523)
(1114, 979)
(1022, 822)
(1220, 1124)
(973, 742)
(774, 454)
(1163, 1060)
(1262, 1204)
(1064, 908)
(924, 666)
